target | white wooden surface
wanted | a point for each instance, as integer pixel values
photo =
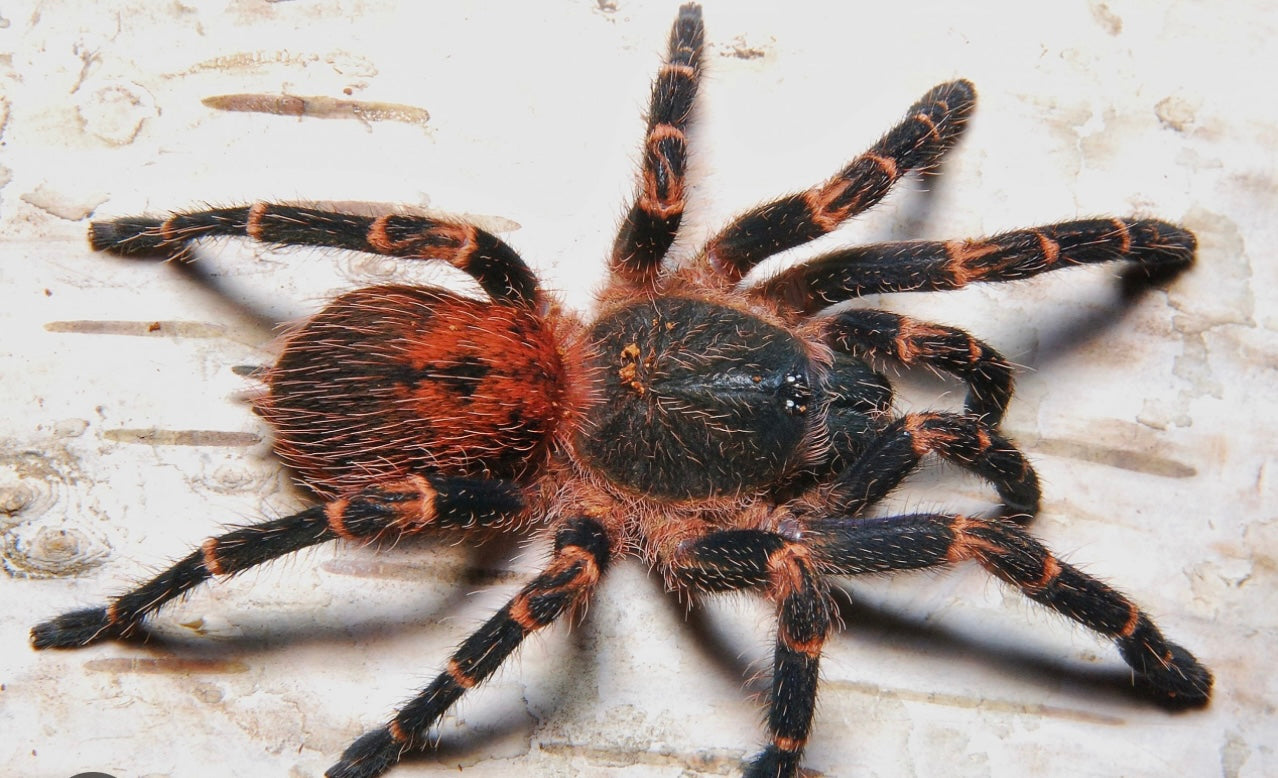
(1150, 419)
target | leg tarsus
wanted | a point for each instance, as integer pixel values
(372, 754)
(1175, 678)
(134, 236)
(75, 629)
(772, 762)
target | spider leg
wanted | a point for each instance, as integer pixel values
(653, 219)
(394, 509)
(933, 126)
(582, 551)
(968, 442)
(496, 266)
(854, 546)
(911, 342)
(725, 560)
(924, 266)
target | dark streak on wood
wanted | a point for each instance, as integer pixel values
(977, 703)
(159, 437)
(174, 666)
(416, 572)
(1123, 459)
(181, 329)
(320, 107)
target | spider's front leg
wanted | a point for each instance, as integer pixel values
(873, 333)
(653, 220)
(581, 556)
(718, 560)
(385, 511)
(855, 546)
(1155, 246)
(931, 128)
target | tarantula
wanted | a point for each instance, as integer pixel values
(732, 438)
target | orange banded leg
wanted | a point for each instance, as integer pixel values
(390, 510)
(932, 127)
(925, 266)
(875, 545)
(725, 560)
(496, 266)
(911, 342)
(581, 556)
(653, 220)
(895, 452)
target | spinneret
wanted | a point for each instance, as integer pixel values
(733, 439)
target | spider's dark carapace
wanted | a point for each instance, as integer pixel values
(734, 438)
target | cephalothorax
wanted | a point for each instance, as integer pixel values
(697, 400)
(734, 438)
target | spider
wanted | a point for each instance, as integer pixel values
(732, 436)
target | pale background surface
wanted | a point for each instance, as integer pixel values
(1149, 419)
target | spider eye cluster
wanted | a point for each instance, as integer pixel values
(796, 395)
(698, 400)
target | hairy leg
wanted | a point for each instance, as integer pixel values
(875, 545)
(926, 266)
(389, 510)
(496, 266)
(871, 333)
(895, 452)
(580, 559)
(932, 127)
(653, 219)
(725, 560)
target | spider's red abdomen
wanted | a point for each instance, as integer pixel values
(701, 400)
(395, 380)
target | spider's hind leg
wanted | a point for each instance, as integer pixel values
(496, 266)
(389, 510)
(582, 553)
